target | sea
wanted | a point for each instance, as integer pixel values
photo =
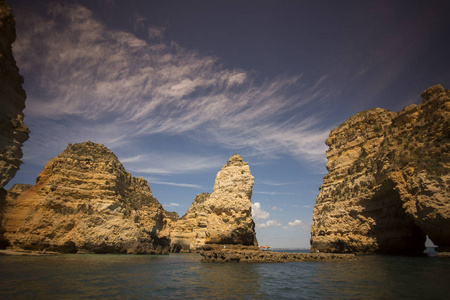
(184, 276)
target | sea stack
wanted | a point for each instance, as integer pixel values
(222, 219)
(388, 179)
(85, 202)
(13, 132)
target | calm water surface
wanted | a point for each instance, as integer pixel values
(183, 276)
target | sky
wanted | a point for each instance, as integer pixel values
(174, 88)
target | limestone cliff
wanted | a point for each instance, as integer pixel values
(13, 131)
(189, 232)
(388, 181)
(223, 218)
(85, 201)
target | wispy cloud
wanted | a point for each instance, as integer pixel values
(171, 204)
(272, 183)
(113, 87)
(156, 32)
(188, 185)
(274, 193)
(258, 213)
(138, 21)
(171, 163)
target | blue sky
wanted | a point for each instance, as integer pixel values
(175, 88)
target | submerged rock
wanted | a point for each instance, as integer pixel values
(388, 181)
(222, 218)
(85, 201)
(222, 256)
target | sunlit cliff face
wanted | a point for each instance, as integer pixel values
(387, 185)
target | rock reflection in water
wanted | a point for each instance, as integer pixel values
(183, 276)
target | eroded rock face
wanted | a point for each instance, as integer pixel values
(13, 132)
(223, 218)
(230, 220)
(388, 181)
(85, 201)
(190, 231)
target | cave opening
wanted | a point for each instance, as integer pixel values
(394, 230)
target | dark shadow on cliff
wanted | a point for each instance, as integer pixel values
(395, 232)
(3, 242)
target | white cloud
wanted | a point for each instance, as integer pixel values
(113, 87)
(276, 208)
(258, 213)
(268, 224)
(296, 223)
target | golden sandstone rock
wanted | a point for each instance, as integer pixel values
(85, 201)
(388, 181)
(222, 219)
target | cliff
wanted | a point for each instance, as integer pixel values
(223, 218)
(13, 132)
(189, 232)
(388, 180)
(85, 201)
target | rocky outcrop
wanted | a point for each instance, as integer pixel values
(223, 218)
(189, 232)
(85, 201)
(443, 255)
(13, 132)
(222, 256)
(8, 198)
(388, 181)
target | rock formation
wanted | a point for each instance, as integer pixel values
(13, 131)
(223, 218)
(249, 256)
(85, 201)
(189, 232)
(388, 181)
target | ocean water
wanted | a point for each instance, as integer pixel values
(183, 276)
